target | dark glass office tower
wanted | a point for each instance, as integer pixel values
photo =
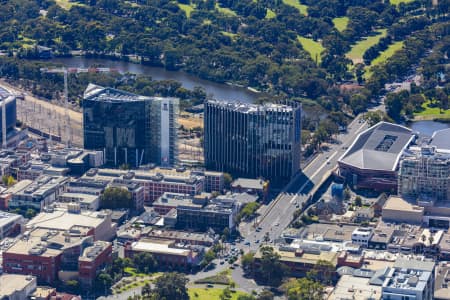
(253, 140)
(130, 129)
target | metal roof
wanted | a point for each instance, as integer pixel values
(379, 147)
(441, 139)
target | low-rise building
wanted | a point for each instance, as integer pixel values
(398, 210)
(302, 257)
(43, 253)
(156, 181)
(214, 181)
(258, 187)
(361, 236)
(16, 287)
(355, 287)
(219, 214)
(34, 169)
(10, 224)
(93, 259)
(37, 194)
(169, 201)
(86, 201)
(409, 279)
(78, 161)
(442, 288)
(167, 253)
(97, 223)
(191, 238)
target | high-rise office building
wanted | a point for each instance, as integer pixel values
(130, 129)
(253, 140)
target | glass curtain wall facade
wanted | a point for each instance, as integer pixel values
(130, 129)
(253, 140)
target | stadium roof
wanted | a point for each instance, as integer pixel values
(379, 147)
(441, 139)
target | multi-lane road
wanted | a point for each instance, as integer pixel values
(277, 215)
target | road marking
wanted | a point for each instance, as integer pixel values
(359, 129)
(324, 164)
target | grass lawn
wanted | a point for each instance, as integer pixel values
(187, 8)
(430, 113)
(66, 4)
(357, 51)
(397, 2)
(230, 34)
(270, 14)
(340, 23)
(225, 10)
(314, 48)
(296, 3)
(387, 53)
(210, 294)
(383, 57)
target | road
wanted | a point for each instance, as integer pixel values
(278, 215)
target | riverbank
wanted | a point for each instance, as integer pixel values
(131, 64)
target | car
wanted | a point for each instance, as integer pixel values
(277, 223)
(257, 242)
(247, 243)
(209, 285)
(222, 262)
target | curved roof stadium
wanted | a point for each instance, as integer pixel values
(379, 147)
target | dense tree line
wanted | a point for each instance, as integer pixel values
(414, 48)
(245, 48)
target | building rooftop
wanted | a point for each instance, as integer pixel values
(85, 198)
(441, 287)
(41, 186)
(252, 108)
(107, 94)
(441, 139)
(179, 235)
(398, 203)
(47, 243)
(6, 218)
(92, 252)
(64, 220)
(170, 175)
(409, 274)
(414, 264)
(379, 147)
(158, 246)
(10, 283)
(177, 199)
(355, 287)
(248, 183)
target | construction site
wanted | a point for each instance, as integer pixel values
(60, 124)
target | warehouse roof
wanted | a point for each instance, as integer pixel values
(379, 147)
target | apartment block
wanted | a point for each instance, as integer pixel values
(425, 175)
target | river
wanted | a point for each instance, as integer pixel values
(428, 127)
(219, 91)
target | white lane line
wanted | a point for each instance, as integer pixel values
(323, 165)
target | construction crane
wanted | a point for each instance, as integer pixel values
(67, 71)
